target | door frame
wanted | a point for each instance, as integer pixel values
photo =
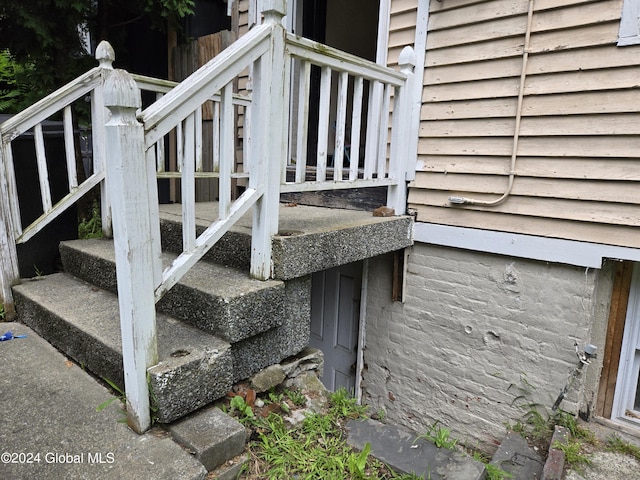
(627, 382)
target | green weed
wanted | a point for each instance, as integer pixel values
(572, 453)
(315, 449)
(440, 437)
(238, 404)
(92, 227)
(296, 397)
(3, 313)
(616, 444)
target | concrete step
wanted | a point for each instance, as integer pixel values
(81, 320)
(219, 300)
(405, 453)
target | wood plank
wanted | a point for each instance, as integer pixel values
(475, 13)
(403, 5)
(601, 124)
(606, 101)
(627, 146)
(493, 88)
(399, 21)
(589, 36)
(623, 236)
(453, 4)
(485, 108)
(553, 4)
(587, 59)
(584, 81)
(571, 189)
(475, 52)
(478, 32)
(498, 68)
(584, 168)
(402, 38)
(577, 15)
(563, 209)
(613, 342)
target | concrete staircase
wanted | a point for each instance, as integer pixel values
(217, 326)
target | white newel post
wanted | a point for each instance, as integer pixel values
(270, 147)
(9, 273)
(402, 119)
(128, 186)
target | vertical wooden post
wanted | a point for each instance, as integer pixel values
(105, 56)
(402, 118)
(129, 184)
(9, 273)
(270, 149)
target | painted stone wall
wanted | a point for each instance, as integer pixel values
(477, 337)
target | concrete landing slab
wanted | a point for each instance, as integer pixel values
(310, 239)
(404, 453)
(515, 457)
(51, 429)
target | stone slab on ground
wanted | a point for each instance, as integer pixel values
(405, 453)
(48, 407)
(515, 457)
(211, 435)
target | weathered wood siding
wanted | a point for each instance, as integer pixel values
(577, 168)
(402, 27)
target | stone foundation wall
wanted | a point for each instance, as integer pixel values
(478, 337)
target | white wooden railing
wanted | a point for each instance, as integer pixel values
(360, 144)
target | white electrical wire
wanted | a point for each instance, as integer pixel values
(516, 136)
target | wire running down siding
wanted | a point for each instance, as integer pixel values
(577, 158)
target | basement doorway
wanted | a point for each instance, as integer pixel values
(336, 296)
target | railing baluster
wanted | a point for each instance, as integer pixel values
(179, 146)
(341, 120)
(43, 173)
(323, 123)
(302, 134)
(226, 150)
(188, 184)
(160, 150)
(198, 139)
(216, 136)
(69, 148)
(373, 121)
(246, 140)
(356, 123)
(383, 131)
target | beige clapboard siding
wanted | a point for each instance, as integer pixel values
(577, 162)
(614, 124)
(590, 147)
(564, 209)
(402, 28)
(626, 236)
(611, 169)
(572, 189)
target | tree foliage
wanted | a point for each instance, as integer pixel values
(42, 41)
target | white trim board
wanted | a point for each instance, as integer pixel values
(571, 252)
